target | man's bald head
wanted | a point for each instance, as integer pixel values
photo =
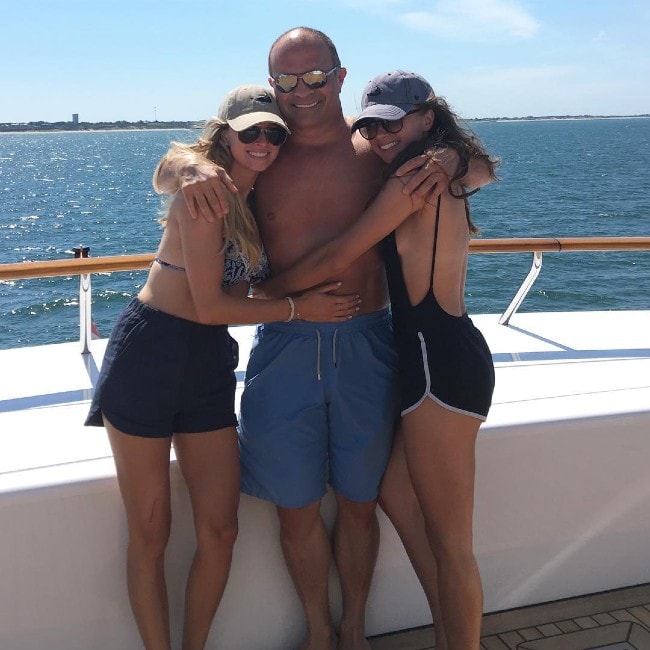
(303, 36)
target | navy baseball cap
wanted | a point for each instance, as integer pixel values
(390, 96)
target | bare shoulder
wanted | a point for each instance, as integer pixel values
(180, 217)
(450, 205)
(361, 146)
(178, 207)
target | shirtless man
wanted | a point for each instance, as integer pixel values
(327, 402)
(322, 182)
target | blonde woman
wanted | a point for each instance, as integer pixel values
(168, 372)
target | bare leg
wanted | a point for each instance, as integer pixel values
(397, 499)
(356, 543)
(210, 465)
(143, 474)
(440, 447)
(308, 554)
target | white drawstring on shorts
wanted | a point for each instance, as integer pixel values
(319, 345)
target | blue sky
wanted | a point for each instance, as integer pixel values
(175, 59)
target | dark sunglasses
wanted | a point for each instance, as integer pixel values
(276, 135)
(285, 83)
(370, 127)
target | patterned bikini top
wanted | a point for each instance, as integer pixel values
(237, 267)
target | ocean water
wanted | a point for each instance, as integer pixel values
(562, 178)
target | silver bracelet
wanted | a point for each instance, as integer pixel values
(292, 304)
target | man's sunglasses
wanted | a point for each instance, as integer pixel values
(370, 127)
(276, 135)
(285, 83)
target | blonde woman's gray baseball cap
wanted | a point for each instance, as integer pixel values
(390, 96)
(246, 106)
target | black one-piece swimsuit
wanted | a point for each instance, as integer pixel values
(442, 357)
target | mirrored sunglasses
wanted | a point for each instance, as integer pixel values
(314, 79)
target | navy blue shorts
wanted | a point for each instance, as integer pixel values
(163, 375)
(320, 404)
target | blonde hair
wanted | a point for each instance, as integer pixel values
(239, 224)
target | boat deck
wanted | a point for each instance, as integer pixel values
(562, 505)
(616, 620)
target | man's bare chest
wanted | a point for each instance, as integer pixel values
(313, 189)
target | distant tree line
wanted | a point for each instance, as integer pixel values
(94, 126)
(11, 127)
(551, 117)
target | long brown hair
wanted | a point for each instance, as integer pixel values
(447, 130)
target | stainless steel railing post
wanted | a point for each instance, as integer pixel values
(85, 302)
(523, 289)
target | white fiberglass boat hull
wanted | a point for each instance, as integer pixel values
(562, 495)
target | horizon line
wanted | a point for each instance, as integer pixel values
(141, 121)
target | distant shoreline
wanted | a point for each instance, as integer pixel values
(97, 127)
(107, 130)
(553, 118)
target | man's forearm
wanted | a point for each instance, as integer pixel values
(177, 169)
(166, 179)
(480, 172)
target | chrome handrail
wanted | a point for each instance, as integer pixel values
(523, 289)
(85, 302)
(84, 266)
